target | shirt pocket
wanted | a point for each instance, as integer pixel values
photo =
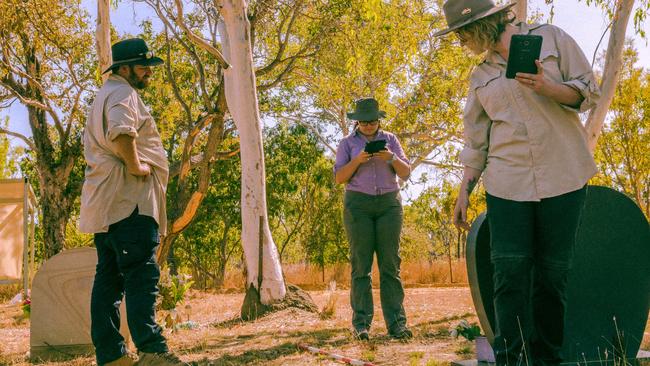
(493, 97)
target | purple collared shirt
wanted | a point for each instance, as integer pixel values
(376, 176)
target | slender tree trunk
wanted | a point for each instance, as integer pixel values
(521, 10)
(241, 96)
(612, 71)
(103, 36)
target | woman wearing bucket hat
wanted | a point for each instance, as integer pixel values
(373, 218)
(525, 138)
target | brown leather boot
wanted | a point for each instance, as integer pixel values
(125, 360)
(159, 359)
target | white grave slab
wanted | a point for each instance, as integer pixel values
(60, 310)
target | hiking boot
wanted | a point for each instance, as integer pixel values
(362, 334)
(125, 360)
(401, 333)
(159, 359)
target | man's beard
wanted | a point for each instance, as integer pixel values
(135, 82)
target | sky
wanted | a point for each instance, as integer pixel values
(585, 24)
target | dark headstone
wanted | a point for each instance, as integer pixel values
(609, 285)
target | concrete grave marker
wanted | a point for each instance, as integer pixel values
(60, 310)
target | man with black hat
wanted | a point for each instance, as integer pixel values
(123, 204)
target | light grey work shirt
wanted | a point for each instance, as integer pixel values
(110, 193)
(529, 146)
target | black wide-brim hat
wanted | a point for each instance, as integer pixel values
(366, 109)
(462, 12)
(133, 51)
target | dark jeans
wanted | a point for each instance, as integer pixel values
(373, 225)
(532, 246)
(126, 264)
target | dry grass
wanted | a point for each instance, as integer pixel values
(414, 274)
(221, 339)
(9, 291)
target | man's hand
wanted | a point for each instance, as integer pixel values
(127, 151)
(141, 170)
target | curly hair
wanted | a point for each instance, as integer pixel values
(485, 32)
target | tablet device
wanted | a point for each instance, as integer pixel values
(524, 50)
(375, 146)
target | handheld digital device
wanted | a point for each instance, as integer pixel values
(375, 146)
(524, 50)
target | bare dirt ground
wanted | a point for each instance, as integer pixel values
(220, 339)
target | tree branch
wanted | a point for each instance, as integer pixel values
(20, 136)
(195, 38)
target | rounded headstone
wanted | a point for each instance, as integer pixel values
(609, 284)
(60, 308)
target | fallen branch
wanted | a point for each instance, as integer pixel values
(347, 360)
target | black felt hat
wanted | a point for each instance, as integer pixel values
(366, 109)
(133, 51)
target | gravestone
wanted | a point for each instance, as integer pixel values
(60, 309)
(609, 285)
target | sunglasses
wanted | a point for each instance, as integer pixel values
(368, 123)
(459, 35)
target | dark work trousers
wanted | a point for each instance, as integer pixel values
(373, 225)
(532, 246)
(126, 265)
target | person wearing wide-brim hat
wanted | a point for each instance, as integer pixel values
(123, 205)
(373, 217)
(524, 137)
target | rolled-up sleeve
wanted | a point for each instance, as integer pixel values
(577, 72)
(476, 133)
(121, 119)
(342, 155)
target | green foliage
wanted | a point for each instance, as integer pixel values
(9, 156)
(466, 330)
(76, 239)
(211, 244)
(48, 67)
(384, 49)
(172, 289)
(26, 308)
(427, 224)
(623, 150)
(302, 201)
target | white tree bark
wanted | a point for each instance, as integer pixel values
(611, 72)
(521, 10)
(241, 96)
(103, 36)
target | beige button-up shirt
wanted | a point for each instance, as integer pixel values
(529, 146)
(109, 193)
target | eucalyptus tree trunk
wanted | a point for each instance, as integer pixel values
(241, 96)
(103, 36)
(611, 72)
(521, 10)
